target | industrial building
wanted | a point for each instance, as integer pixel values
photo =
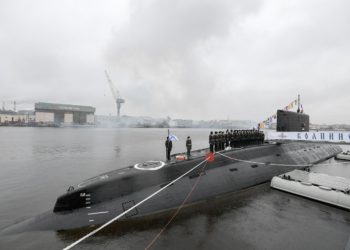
(66, 114)
(8, 117)
(28, 116)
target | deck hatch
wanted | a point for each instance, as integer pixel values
(127, 205)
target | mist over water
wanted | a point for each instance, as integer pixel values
(39, 164)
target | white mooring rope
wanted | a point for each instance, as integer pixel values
(136, 205)
(264, 163)
(279, 164)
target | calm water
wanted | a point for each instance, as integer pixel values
(39, 164)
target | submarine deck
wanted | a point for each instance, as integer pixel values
(196, 156)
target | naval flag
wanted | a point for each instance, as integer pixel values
(173, 138)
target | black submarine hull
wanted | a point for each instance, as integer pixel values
(99, 199)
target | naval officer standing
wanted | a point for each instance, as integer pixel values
(211, 142)
(168, 147)
(188, 146)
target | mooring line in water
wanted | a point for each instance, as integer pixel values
(176, 212)
(264, 163)
(133, 207)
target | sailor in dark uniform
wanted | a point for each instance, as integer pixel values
(222, 140)
(231, 139)
(257, 136)
(188, 146)
(227, 138)
(216, 141)
(262, 137)
(211, 142)
(168, 147)
(249, 137)
(239, 138)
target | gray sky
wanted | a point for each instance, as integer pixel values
(195, 59)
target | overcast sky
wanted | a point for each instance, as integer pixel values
(196, 59)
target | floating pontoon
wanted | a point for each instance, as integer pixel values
(322, 187)
(343, 156)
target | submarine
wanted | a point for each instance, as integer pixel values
(97, 200)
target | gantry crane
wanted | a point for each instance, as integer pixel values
(118, 100)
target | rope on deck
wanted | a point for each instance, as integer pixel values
(175, 214)
(265, 163)
(133, 207)
(166, 186)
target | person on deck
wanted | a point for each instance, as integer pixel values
(216, 147)
(227, 138)
(168, 147)
(222, 146)
(188, 146)
(211, 142)
(231, 139)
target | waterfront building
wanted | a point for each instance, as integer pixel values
(65, 114)
(8, 117)
(181, 123)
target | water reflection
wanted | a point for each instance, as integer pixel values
(59, 151)
(117, 150)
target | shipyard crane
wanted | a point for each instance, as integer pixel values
(118, 100)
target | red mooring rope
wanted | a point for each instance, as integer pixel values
(176, 212)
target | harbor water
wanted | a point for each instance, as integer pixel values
(39, 164)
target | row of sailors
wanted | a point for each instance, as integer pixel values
(234, 138)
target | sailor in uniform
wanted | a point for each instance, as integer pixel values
(222, 140)
(228, 138)
(216, 140)
(211, 142)
(231, 139)
(188, 146)
(168, 147)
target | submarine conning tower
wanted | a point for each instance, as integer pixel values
(288, 121)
